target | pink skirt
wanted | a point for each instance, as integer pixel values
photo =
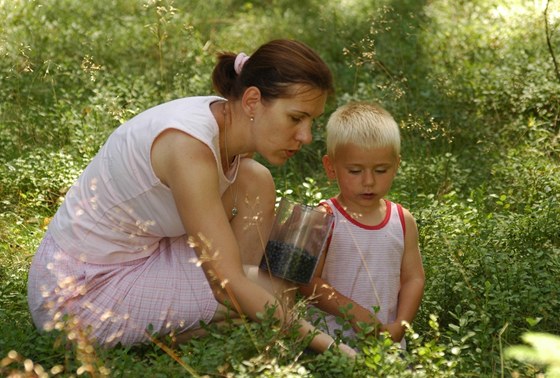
(159, 294)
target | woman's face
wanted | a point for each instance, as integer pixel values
(283, 126)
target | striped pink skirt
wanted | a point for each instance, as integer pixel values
(162, 293)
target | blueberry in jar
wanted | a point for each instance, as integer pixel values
(288, 261)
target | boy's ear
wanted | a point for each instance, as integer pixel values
(250, 100)
(329, 168)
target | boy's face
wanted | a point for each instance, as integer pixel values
(364, 175)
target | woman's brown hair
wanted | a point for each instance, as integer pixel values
(272, 68)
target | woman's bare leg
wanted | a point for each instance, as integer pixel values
(253, 195)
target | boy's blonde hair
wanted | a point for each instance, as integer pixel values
(366, 125)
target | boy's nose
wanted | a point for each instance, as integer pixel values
(368, 178)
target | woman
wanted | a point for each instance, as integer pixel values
(166, 225)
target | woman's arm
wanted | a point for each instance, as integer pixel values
(188, 168)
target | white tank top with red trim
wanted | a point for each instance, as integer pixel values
(364, 262)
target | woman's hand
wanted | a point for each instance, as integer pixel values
(348, 351)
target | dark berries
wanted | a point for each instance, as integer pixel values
(288, 261)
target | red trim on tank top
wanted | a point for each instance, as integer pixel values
(401, 217)
(330, 211)
(361, 225)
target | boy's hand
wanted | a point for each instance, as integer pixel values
(396, 329)
(364, 320)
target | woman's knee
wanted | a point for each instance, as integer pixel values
(255, 198)
(255, 181)
(249, 203)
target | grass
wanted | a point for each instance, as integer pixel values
(472, 84)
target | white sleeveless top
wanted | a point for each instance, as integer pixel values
(364, 262)
(118, 210)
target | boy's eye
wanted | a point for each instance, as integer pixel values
(381, 170)
(295, 119)
(354, 171)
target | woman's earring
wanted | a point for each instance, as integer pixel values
(252, 118)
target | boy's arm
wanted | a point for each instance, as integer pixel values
(412, 281)
(328, 299)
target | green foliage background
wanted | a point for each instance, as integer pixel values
(472, 83)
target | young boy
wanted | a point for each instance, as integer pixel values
(372, 259)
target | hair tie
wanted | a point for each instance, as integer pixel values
(240, 61)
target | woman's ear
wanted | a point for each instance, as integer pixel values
(250, 101)
(329, 168)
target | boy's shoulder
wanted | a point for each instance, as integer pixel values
(401, 207)
(325, 206)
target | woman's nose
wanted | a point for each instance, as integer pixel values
(304, 134)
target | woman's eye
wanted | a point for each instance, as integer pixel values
(295, 119)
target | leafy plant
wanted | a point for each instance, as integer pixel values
(543, 350)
